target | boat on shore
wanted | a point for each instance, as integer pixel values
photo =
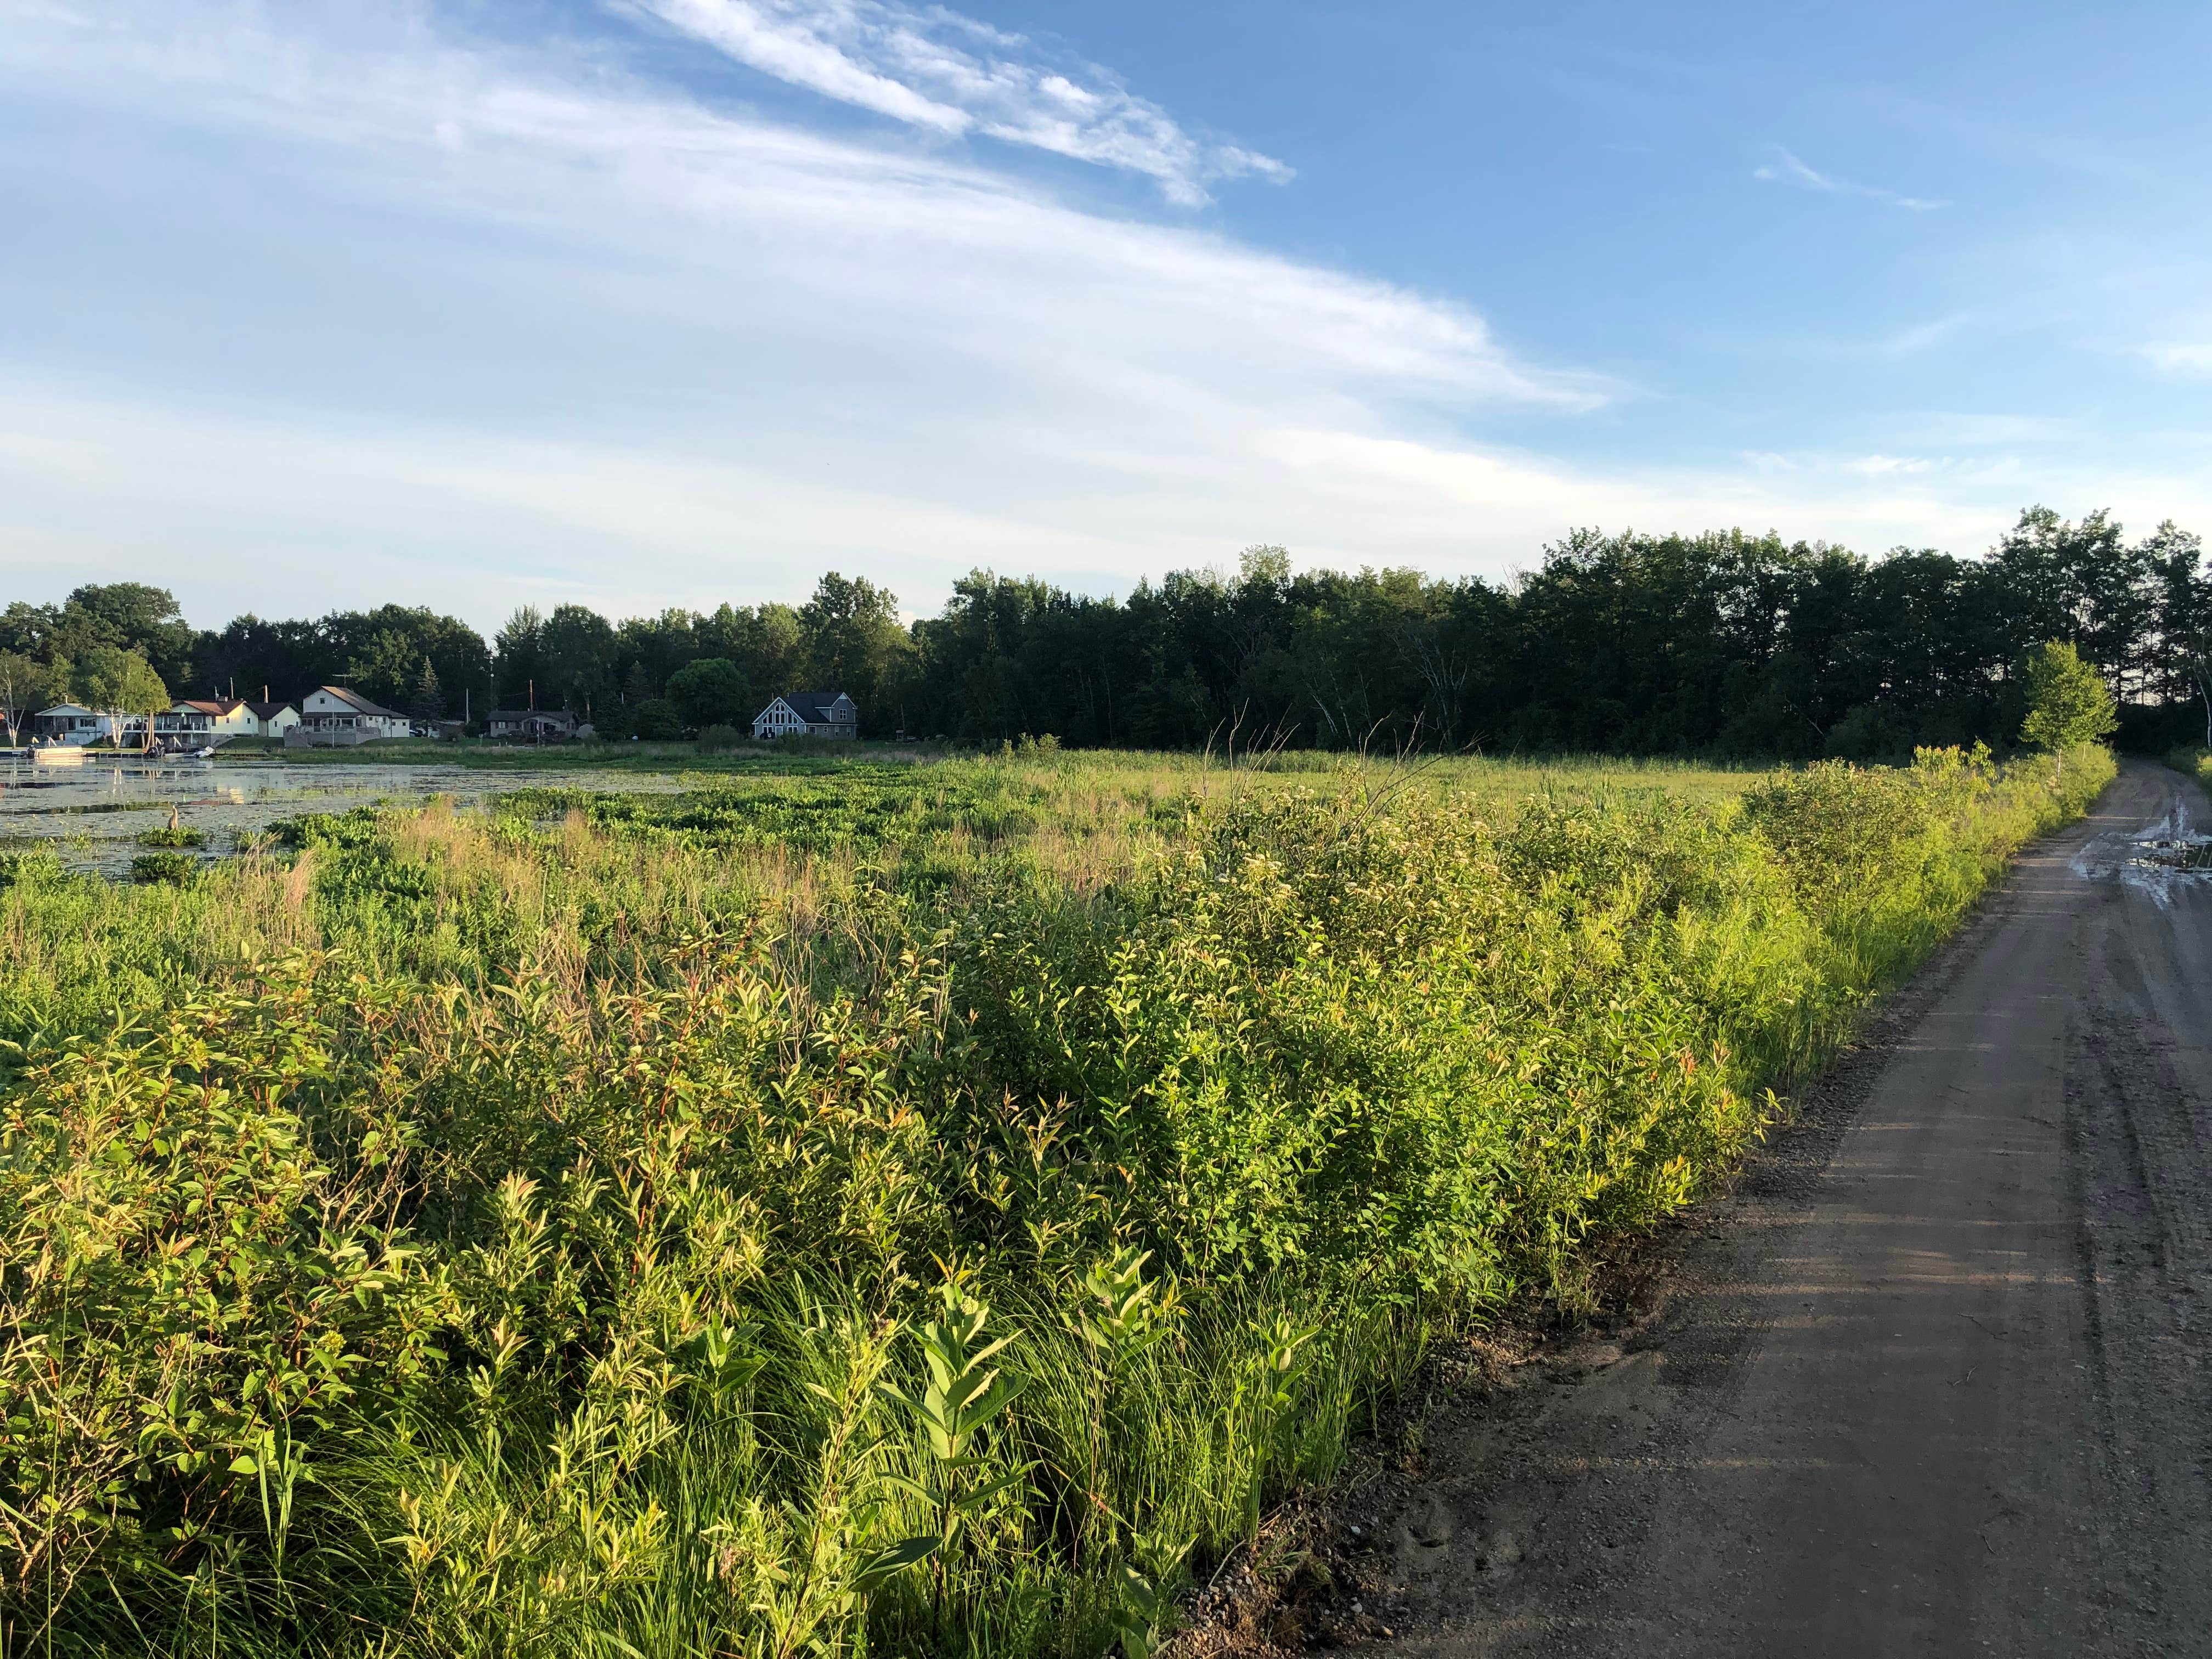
(58, 754)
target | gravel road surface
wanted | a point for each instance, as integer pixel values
(1938, 1378)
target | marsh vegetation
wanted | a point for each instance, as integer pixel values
(924, 1208)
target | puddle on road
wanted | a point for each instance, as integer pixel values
(2192, 853)
(2156, 859)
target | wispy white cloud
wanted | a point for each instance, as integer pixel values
(1882, 466)
(86, 487)
(2181, 356)
(934, 69)
(1919, 336)
(433, 316)
(1787, 169)
(1964, 430)
(582, 326)
(927, 251)
(1949, 482)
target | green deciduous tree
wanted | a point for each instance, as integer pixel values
(378, 652)
(115, 681)
(2080, 582)
(2068, 701)
(254, 657)
(578, 651)
(383, 650)
(711, 692)
(521, 649)
(132, 616)
(2182, 618)
(27, 685)
(853, 642)
(658, 720)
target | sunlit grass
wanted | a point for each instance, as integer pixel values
(517, 1231)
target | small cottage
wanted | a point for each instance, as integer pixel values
(809, 714)
(273, 719)
(533, 724)
(333, 714)
(69, 722)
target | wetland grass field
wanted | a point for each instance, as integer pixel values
(918, 1205)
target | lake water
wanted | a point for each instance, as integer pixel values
(93, 813)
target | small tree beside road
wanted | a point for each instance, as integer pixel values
(2066, 700)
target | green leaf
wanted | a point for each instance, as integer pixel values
(909, 1552)
(913, 1489)
(968, 1503)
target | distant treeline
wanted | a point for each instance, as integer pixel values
(1719, 643)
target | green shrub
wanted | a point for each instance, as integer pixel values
(720, 739)
(172, 835)
(658, 720)
(172, 867)
(27, 866)
(198, 1311)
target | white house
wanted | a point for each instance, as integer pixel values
(195, 722)
(273, 719)
(333, 714)
(69, 722)
(809, 713)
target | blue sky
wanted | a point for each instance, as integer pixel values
(659, 302)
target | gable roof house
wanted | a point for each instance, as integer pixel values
(68, 722)
(273, 719)
(809, 714)
(333, 714)
(534, 725)
(194, 722)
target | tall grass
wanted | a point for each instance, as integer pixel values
(922, 1211)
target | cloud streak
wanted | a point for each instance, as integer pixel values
(581, 327)
(355, 521)
(936, 70)
(461, 319)
(1787, 169)
(919, 252)
(2180, 357)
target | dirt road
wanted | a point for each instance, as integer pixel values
(1938, 1380)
